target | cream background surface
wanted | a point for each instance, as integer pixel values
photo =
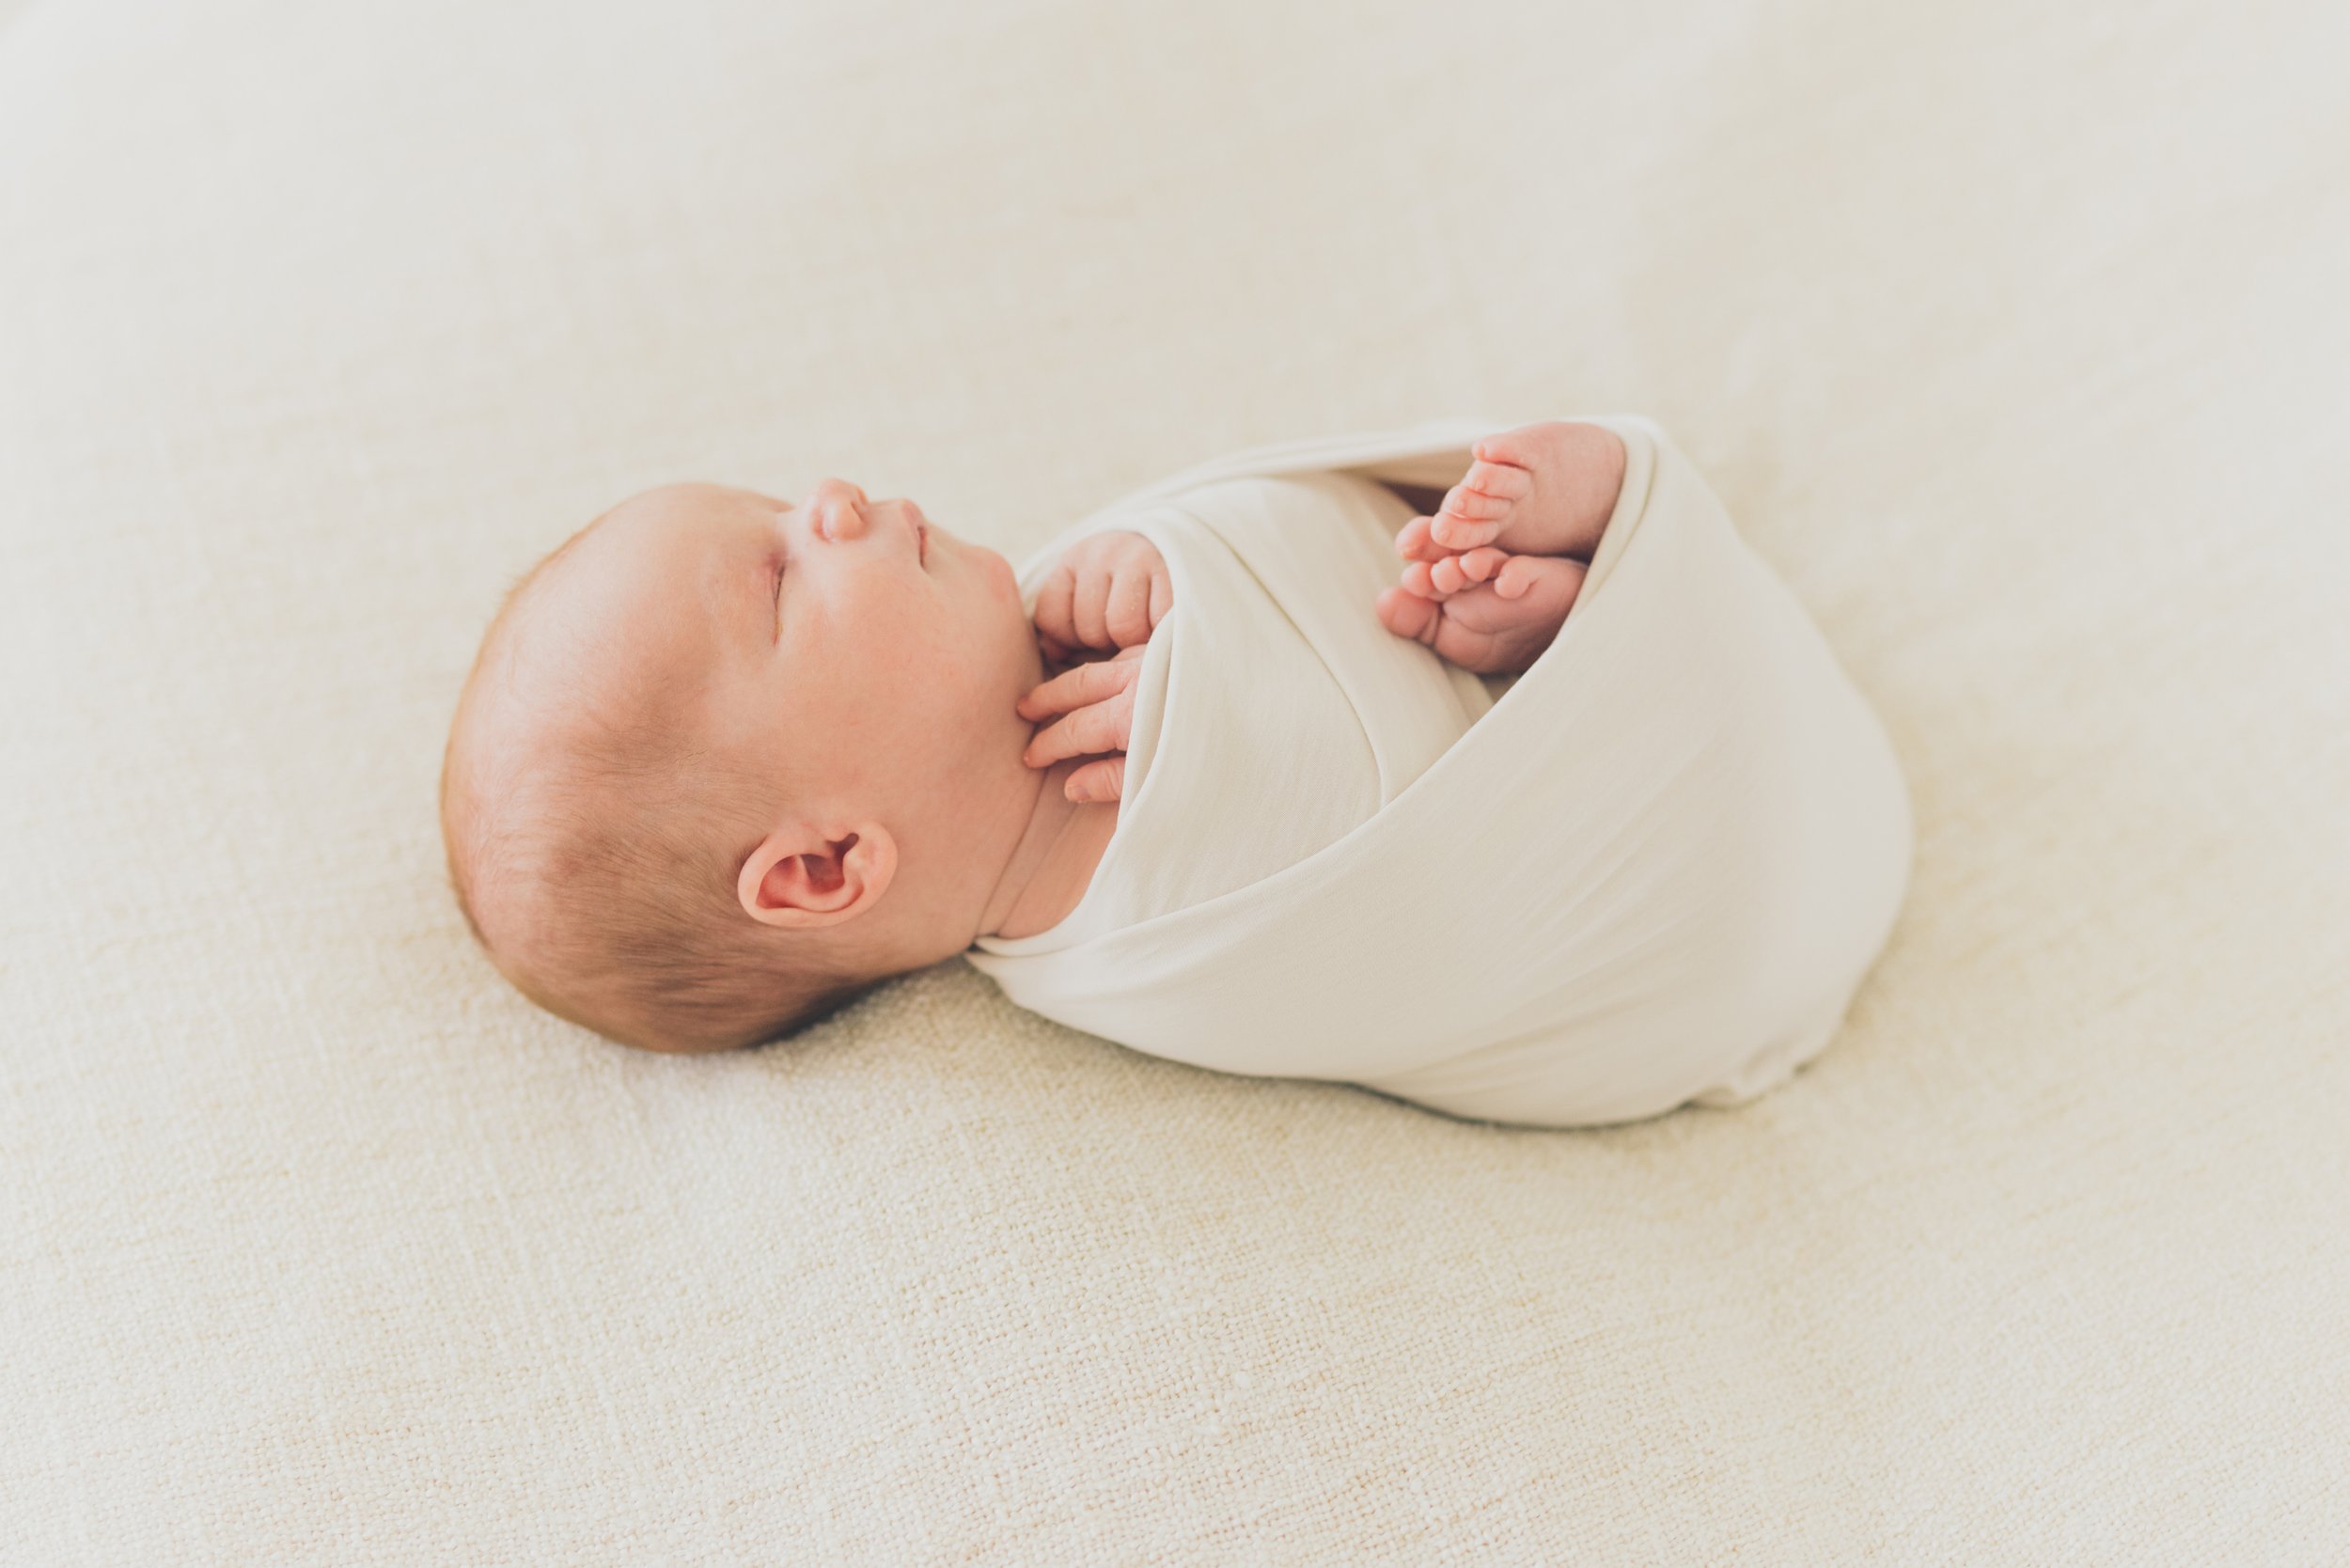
(2014, 338)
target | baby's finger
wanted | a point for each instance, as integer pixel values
(1101, 781)
(1054, 616)
(1103, 727)
(1162, 594)
(1076, 688)
(1128, 617)
(1091, 606)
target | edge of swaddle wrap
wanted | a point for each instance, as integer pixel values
(1364, 453)
(1153, 691)
(1312, 455)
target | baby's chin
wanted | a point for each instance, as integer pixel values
(1020, 634)
(1005, 575)
(1007, 624)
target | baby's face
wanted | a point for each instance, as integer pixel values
(838, 646)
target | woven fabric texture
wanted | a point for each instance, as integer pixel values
(2013, 334)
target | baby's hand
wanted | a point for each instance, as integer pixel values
(1096, 707)
(1108, 591)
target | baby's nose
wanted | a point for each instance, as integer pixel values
(837, 508)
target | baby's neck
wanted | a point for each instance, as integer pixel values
(1052, 863)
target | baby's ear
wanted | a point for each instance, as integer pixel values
(804, 877)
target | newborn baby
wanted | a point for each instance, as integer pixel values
(725, 761)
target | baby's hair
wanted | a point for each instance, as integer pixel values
(598, 871)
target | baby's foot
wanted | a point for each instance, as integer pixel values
(1497, 616)
(1539, 489)
(1492, 576)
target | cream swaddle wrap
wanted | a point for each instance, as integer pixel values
(1650, 869)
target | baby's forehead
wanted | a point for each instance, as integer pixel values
(627, 612)
(670, 540)
(662, 526)
(690, 502)
(630, 611)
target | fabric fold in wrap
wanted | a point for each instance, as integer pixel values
(1650, 869)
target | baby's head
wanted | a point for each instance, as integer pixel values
(723, 763)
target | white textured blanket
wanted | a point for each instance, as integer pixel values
(2014, 340)
(1653, 871)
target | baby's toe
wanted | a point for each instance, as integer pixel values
(1476, 509)
(1516, 451)
(1540, 586)
(1464, 637)
(1498, 474)
(1461, 533)
(1479, 503)
(1455, 573)
(1419, 579)
(1407, 615)
(1469, 518)
(1480, 565)
(1413, 543)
